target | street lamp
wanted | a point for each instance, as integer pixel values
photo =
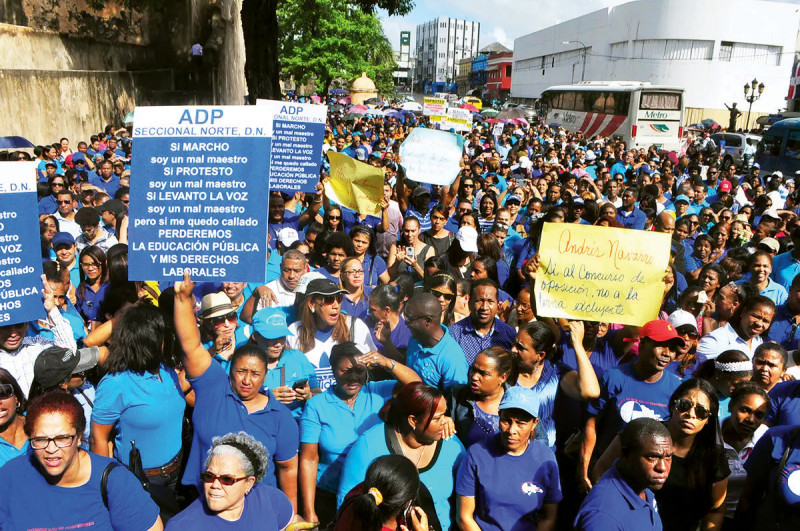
(752, 91)
(583, 48)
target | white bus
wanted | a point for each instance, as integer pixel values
(637, 112)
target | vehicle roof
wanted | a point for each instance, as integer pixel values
(612, 86)
(787, 124)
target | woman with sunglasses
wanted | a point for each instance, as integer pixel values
(443, 286)
(322, 324)
(414, 423)
(94, 283)
(694, 493)
(355, 302)
(509, 480)
(220, 330)
(332, 220)
(740, 432)
(374, 266)
(234, 492)
(59, 485)
(13, 441)
(333, 421)
(388, 327)
(234, 403)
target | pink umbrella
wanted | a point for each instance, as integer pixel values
(358, 108)
(469, 107)
(344, 100)
(315, 98)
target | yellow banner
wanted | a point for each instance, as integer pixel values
(355, 185)
(601, 273)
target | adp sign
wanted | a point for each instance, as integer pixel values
(200, 193)
(296, 153)
(20, 246)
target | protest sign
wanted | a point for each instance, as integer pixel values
(431, 156)
(497, 130)
(296, 151)
(601, 273)
(199, 199)
(458, 119)
(20, 246)
(434, 106)
(355, 185)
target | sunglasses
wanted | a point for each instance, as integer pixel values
(327, 300)
(334, 217)
(689, 332)
(222, 319)
(438, 294)
(684, 405)
(67, 202)
(6, 391)
(209, 477)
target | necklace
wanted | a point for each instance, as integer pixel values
(420, 457)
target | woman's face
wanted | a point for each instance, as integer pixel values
(360, 243)
(747, 415)
(54, 461)
(353, 275)
(736, 230)
(468, 220)
(327, 308)
(484, 378)
(437, 221)
(50, 228)
(689, 421)
(410, 232)
(335, 258)
(444, 295)
(91, 268)
(247, 377)
(349, 378)
(487, 207)
(756, 321)
(433, 432)
(380, 315)
(709, 280)
(516, 429)
(221, 497)
(607, 211)
(8, 406)
(682, 231)
(387, 192)
(478, 270)
(703, 250)
(760, 269)
(720, 237)
(334, 219)
(541, 185)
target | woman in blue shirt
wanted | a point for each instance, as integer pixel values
(760, 268)
(413, 426)
(231, 404)
(375, 270)
(387, 327)
(355, 302)
(335, 419)
(94, 282)
(510, 481)
(13, 441)
(140, 399)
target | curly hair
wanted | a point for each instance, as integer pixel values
(251, 453)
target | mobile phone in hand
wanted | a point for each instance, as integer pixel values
(300, 384)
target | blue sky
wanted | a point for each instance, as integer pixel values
(503, 22)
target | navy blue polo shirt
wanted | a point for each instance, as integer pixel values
(399, 337)
(110, 186)
(219, 410)
(783, 486)
(784, 404)
(374, 266)
(635, 220)
(89, 301)
(290, 220)
(783, 330)
(358, 309)
(463, 331)
(350, 220)
(613, 505)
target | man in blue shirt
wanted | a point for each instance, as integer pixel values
(482, 329)
(106, 179)
(432, 351)
(786, 266)
(628, 215)
(623, 499)
(784, 328)
(623, 166)
(280, 218)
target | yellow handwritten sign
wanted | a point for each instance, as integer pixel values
(355, 185)
(601, 273)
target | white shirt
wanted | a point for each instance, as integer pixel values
(722, 339)
(284, 296)
(736, 462)
(20, 362)
(106, 241)
(66, 225)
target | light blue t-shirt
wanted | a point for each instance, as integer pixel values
(443, 366)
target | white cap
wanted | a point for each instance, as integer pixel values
(468, 239)
(777, 174)
(302, 284)
(287, 236)
(680, 318)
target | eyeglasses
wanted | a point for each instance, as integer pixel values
(89, 265)
(209, 477)
(684, 405)
(125, 201)
(327, 300)
(57, 184)
(439, 294)
(65, 202)
(61, 441)
(222, 319)
(355, 272)
(6, 391)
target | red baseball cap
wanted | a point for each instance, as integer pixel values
(725, 186)
(660, 332)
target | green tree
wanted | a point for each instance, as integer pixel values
(329, 39)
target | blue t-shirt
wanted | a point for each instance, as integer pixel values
(328, 422)
(89, 302)
(146, 408)
(625, 397)
(374, 266)
(508, 489)
(784, 404)
(443, 366)
(219, 410)
(8, 451)
(33, 503)
(438, 476)
(783, 330)
(761, 468)
(399, 337)
(265, 508)
(784, 268)
(110, 186)
(612, 505)
(358, 309)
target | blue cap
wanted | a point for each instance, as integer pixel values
(513, 197)
(63, 238)
(78, 157)
(645, 169)
(682, 198)
(520, 398)
(270, 323)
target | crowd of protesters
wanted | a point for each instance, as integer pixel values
(393, 372)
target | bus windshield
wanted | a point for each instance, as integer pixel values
(660, 101)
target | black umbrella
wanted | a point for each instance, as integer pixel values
(15, 142)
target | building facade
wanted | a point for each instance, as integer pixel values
(498, 76)
(441, 44)
(711, 49)
(462, 76)
(403, 76)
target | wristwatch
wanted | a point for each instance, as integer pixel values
(394, 364)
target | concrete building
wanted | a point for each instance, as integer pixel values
(403, 77)
(441, 44)
(710, 48)
(462, 76)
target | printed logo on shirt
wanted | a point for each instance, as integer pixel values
(632, 410)
(531, 488)
(791, 485)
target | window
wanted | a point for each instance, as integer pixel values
(725, 50)
(619, 50)
(770, 145)
(755, 54)
(508, 70)
(793, 145)
(673, 49)
(568, 101)
(661, 101)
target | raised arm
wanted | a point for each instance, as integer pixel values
(581, 384)
(313, 208)
(196, 358)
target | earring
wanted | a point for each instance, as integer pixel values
(313, 310)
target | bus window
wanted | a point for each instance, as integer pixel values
(770, 145)
(793, 145)
(611, 101)
(660, 101)
(568, 101)
(623, 103)
(598, 101)
(583, 101)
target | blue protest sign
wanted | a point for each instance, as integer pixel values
(20, 246)
(296, 152)
(199, 194)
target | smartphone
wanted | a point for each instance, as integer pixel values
(299, 384)
(410, 252)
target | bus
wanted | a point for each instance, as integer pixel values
(638, 113)
(779, 148)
